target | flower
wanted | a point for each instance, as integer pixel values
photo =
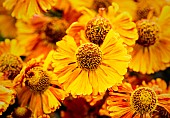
(21, 112)
(146, 8)
(24, 9)
(96, 26)
(151, 51)
(139, 102)
(39, 89)
(124, 5)
(40, 34)
(7, 95)
(92, 4)
(4, 27)
(10, 61)
(12, 47)
(158, 84)
(88, 68)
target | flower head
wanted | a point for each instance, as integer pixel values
(143, 100)
(10, 65)
(38, 85)
(21, 112)
(88, 68)
(26, 9)
(139, 102)
(95, 26)
(152, 44)
(10, 60)
(42, 35)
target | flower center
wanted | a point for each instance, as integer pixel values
(37, 79)
(54, 31)
(148, 32)
(22, 112)
(97, 29)
(89, 56)
(10, 65)
(142, 13)
(143, 100)
(101, 4)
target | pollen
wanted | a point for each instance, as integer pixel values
(143, 100)
(148, 32)
(89, 56)
(10, 65)
(37, 79)
(97, 29)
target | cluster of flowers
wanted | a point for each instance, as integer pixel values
(84, 59)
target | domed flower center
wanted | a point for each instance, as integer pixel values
(97, 29)
(142, 13)
(143, 100)
(89, 56)
(148, 32)
(37, 79)
(10, 65)
(54, 31)
(101, 4)
(22, 112)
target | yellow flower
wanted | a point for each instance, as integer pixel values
(92, 4)
(10, 61)
(145, 8)
(141, 9)
(7, 95)
(40, 34)
(39, 88)
(124, 5)
(95, 27)
(88, 68)
(12, 47)
(141, 102)
(23, 9)
(7, 23)
(152, 49)
(21, 112)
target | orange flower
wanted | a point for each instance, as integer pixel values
(40, 34)
(7, 23)
(39, 88)
(7, 95)
(10, 61)
(23, 9)
(95, 26)
(88, 68)
(143, 101)
(152, 49)
(158, 84)
(146, 8)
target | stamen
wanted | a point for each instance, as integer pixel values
(89, 56)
